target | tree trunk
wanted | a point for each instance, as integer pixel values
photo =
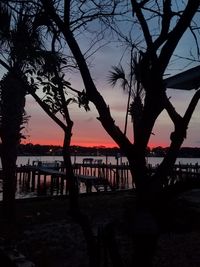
(12, 110)
(79, 217)
(145, 227)
(8, 158)
(73, 183)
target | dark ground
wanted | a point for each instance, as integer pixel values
(48, 236)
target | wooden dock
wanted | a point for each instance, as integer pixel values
(99, 183)
(50, 179)
(44, 179)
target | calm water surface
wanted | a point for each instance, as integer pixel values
(26, 160)
(23, 160)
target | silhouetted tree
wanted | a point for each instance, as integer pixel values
(156, 47)
(55, 103)
(156, 50)
(15, 34)
(12, 113)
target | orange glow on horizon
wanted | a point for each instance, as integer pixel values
(88, 144)
(43, 142)
(81, 143)
(94, 144)
(161, 144)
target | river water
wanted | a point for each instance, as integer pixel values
(23, 160)
(29, 160)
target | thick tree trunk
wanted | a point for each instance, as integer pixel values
(12, 110)
(78, 216)
(145, 227)
(8, 158)
(72, 181)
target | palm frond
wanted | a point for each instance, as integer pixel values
(5, 20)
(136, 67)
(117, 74)
(23, 35)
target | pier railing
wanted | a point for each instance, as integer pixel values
(50, 179)
(44, 179)
(118, 176)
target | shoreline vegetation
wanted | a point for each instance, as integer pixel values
(50, 150)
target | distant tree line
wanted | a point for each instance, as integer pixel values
(185, 152)
(50, 150)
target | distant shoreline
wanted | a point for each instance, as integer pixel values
(89, 155)
(49, 150)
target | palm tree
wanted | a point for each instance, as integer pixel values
(12, 118)
(132, 84)
(18, 44)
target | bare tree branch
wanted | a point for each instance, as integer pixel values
(175, 117)
(166, 19)
(46, 109)
(175, 35)
(92, 93)
(145, 29)
(196, 40)
(177, 138)
(67, 12)
(191, 107)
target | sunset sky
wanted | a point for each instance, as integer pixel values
(87, 130)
